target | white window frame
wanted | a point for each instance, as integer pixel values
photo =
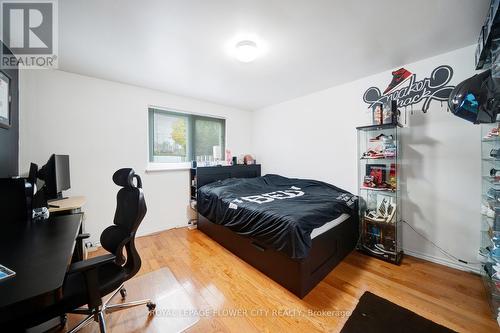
(164, 166)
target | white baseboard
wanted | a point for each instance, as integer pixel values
(443, 261)
(431, 258)
(95, 245)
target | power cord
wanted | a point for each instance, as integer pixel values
(449, 255)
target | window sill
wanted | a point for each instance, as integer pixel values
(158, 167)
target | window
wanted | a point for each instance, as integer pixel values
(176, 137)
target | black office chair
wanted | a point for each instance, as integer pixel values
(88, 281)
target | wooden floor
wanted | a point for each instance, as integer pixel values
(214, 279)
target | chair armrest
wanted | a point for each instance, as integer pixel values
(83, 236)
(92, 263)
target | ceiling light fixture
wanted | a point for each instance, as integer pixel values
(246, 51)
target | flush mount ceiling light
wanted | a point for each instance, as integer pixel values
(246, 51)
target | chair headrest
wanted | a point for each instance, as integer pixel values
(125, 178)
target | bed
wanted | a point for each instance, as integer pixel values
(293, 230)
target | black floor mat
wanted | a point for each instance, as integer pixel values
(374, 314)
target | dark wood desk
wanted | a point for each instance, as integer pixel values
(39, 253)
(67, 206)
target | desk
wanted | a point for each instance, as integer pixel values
(69, 205)
(39, 253)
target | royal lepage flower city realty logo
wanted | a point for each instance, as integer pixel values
(408, 91)
(29, 30)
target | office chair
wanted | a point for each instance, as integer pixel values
(88, 281)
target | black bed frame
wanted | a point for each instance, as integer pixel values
(297, 275)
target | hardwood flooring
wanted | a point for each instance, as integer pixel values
(216, 280)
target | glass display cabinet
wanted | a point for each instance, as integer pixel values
(379, 192)
(489, 252)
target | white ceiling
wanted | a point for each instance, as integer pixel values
(180, 46)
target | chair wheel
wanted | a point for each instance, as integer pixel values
(63, 319)
(151, 306)
(123, 292)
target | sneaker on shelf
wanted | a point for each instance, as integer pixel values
(374, 251)
(495, 250)
(484, 252)
(388, 144)
(385, 212)
(374, 217)
(490, 222)
(486, 210)
(495, 173)
(492, 269)
(496, 272)
(493, 194)
(377, 138)
(495, 153)
(382, 137)
(381, 248)
(388, 140)
(369, 182)
(372, 155)
(390, 152)
(493, 133)
(385, 186)
(398, 77)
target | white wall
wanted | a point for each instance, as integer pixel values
(103, 126)
(314, 137)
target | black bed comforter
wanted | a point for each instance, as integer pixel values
(275, 211)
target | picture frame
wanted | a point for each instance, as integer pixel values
(5, 101)
(378, 171)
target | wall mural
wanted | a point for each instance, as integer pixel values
(407, 91)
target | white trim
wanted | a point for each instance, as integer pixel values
(162, 108)
(156, 167)
(97, 245)
(165, 166)
(427, 257)
(442, 261)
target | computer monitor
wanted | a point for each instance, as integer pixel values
(32, 175)
(55, 174)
